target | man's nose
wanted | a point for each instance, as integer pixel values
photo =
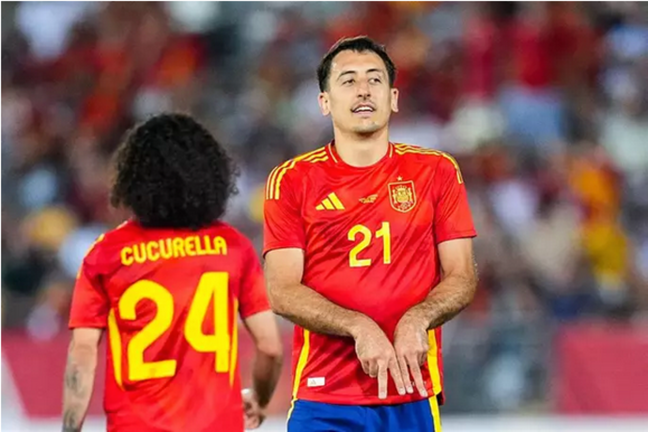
(363, 89)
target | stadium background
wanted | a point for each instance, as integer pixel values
(544, 106)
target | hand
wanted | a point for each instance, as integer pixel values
(253, 414)
(411, 346)
(377, 356)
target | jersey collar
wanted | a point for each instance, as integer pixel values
(330, 149)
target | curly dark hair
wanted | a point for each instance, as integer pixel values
(358, 44)
(172, 173)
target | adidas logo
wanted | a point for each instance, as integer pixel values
(331, 202)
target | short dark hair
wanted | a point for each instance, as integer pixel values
(358, 44)
(172, 173)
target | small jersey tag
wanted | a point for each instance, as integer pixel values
(315, 382)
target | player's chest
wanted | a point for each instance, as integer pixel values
(397, 200)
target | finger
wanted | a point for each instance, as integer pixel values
(423, 358)
(372, 368)
(405, 374)
(424, 354)
(382, 380)
(396, 375)
(248, 421)
(252, 422)
(415, 370)
(365, 367)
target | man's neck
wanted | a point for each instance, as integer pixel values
(361, 151)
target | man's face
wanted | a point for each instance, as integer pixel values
(359, 97)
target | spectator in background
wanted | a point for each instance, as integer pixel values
(532, 102)
(624, 127)
(553, 251)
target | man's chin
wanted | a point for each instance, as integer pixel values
(366, 129)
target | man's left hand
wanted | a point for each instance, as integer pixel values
(411, 346)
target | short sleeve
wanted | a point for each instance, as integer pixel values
(283, 226)
(90, 303)
(452, 217)
(253, 297)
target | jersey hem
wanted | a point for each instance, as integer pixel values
(80, 324)
(355, 400)
(255, 311)
(274, 246)
(457, 235)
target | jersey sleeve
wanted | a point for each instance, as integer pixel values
(283, 225)
(452, 217)
(252, 295)
(90, 303)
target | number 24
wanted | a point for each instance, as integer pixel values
(212, 286)
(365, 241)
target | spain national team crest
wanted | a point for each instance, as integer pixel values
(402, 195)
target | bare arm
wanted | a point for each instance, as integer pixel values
(448, 298)
(301, 304)
(457, 287)
(269, 355)
(79, 376)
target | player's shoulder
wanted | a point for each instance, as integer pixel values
(123, 232)
(443, 164)
(293, 170)
(417, 154)
(105, 244)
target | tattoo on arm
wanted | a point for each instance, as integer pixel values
(77, 386)
(71, 422)
(72, 381)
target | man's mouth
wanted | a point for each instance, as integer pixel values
(363, 108)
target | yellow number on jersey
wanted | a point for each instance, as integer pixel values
(365, 241)
(138, 369)
(213, 286)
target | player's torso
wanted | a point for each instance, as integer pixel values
(172, 327)
(370, 239)
(370, 247)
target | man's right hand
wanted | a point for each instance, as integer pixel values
(377, 356)
(253, 414)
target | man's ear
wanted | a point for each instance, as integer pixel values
(394, 100)
(324, 103)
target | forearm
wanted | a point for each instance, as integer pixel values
(78, 384)
(265, 375)
(312, 311)
(446, 300)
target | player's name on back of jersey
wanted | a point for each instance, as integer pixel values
(176, 247)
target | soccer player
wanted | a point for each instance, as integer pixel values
(168, 285)
(368, 249)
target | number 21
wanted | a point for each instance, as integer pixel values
(365, 241)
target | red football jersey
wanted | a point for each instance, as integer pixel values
(170, 300)
(370, 238)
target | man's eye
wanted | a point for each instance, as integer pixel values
(374, 80)
(350, 81)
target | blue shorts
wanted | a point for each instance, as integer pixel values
(307, 416)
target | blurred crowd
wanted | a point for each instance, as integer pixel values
(543, 104)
